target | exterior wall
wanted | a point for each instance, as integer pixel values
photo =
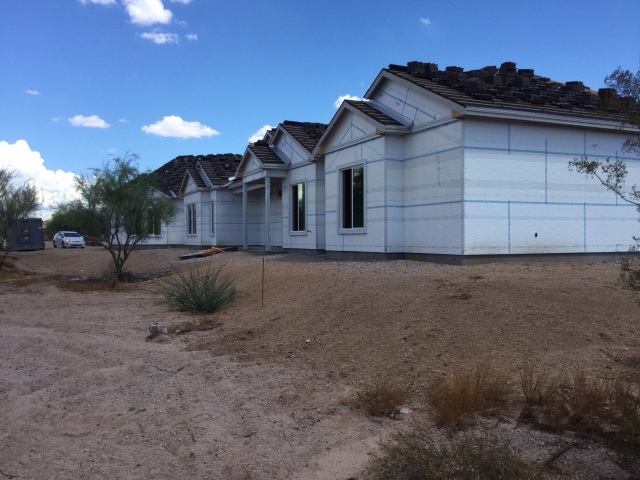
(312, 175)
(371, 154)
(256, 216)
(521, 198)
(413, 182)
(201, 201)
(227, 218)
(432, 190)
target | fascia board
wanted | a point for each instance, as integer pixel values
(365, 117)
(545, 118)
(248, 153)
(285, 132)
(280, 154)
(203, 175)
(319, 149)
(375, 84)
(183, 185)
(422, 91)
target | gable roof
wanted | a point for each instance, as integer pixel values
(306, 133)
(373, 113)
(505, 87)
(267, 156)
(217, 167)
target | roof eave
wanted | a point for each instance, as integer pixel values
(546, 118)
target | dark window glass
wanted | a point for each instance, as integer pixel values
(358, 197)
(347, 205)
(297, 208)
(353, 198)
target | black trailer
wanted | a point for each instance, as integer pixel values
(28, 235)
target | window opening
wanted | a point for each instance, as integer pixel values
(298, 208)
(353, 198)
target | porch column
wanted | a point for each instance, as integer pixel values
(267, 211)
(245, 231)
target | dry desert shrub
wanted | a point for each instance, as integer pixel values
(576, 401)
(467, 391)
(381, 398)
(415, 454)
(630, 268)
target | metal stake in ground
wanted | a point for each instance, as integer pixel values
(263, 281)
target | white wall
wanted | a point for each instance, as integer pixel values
(517, 184)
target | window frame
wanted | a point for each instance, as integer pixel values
(191, 220)
(342, 229)
(150, 221)
(293, 209)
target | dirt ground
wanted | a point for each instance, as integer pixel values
(268, 393)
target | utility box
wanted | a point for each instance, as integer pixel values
(28, 235)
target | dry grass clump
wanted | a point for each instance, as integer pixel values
(417, 455)
(381, 398)
(577, 401)
(467, 391)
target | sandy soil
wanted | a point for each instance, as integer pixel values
(267, 395)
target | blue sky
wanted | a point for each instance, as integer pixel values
(82, 80)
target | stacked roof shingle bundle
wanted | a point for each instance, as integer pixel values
(506, 86)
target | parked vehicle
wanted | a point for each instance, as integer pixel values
(68, 239)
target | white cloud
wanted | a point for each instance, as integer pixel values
(173, 126)
(56, 186)
(33, 92)
(192, 36)
(123, 120)
(93, 121)
(184, 2)
(99, 2)
(160, 38)
(426, 21)
(147, 12)
(56, 119)
(342, 98)
(259, 134)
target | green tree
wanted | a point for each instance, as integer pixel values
(16, 202)
(114, 207)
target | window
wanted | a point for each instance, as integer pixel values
(212, 218)
(191, 219)
(353, 197)
(153, 226)
(298, 208)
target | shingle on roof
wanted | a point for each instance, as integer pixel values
(262, 150)
(372, 112)
(505, 87)
(217, 167)
(307, 133)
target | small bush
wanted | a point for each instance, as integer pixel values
(578, 401)
(381, 398)
(416, 454)
(533, 383)
(200, 290)
(630, 268)
(467, 391)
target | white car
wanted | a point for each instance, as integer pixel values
(67, 240)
